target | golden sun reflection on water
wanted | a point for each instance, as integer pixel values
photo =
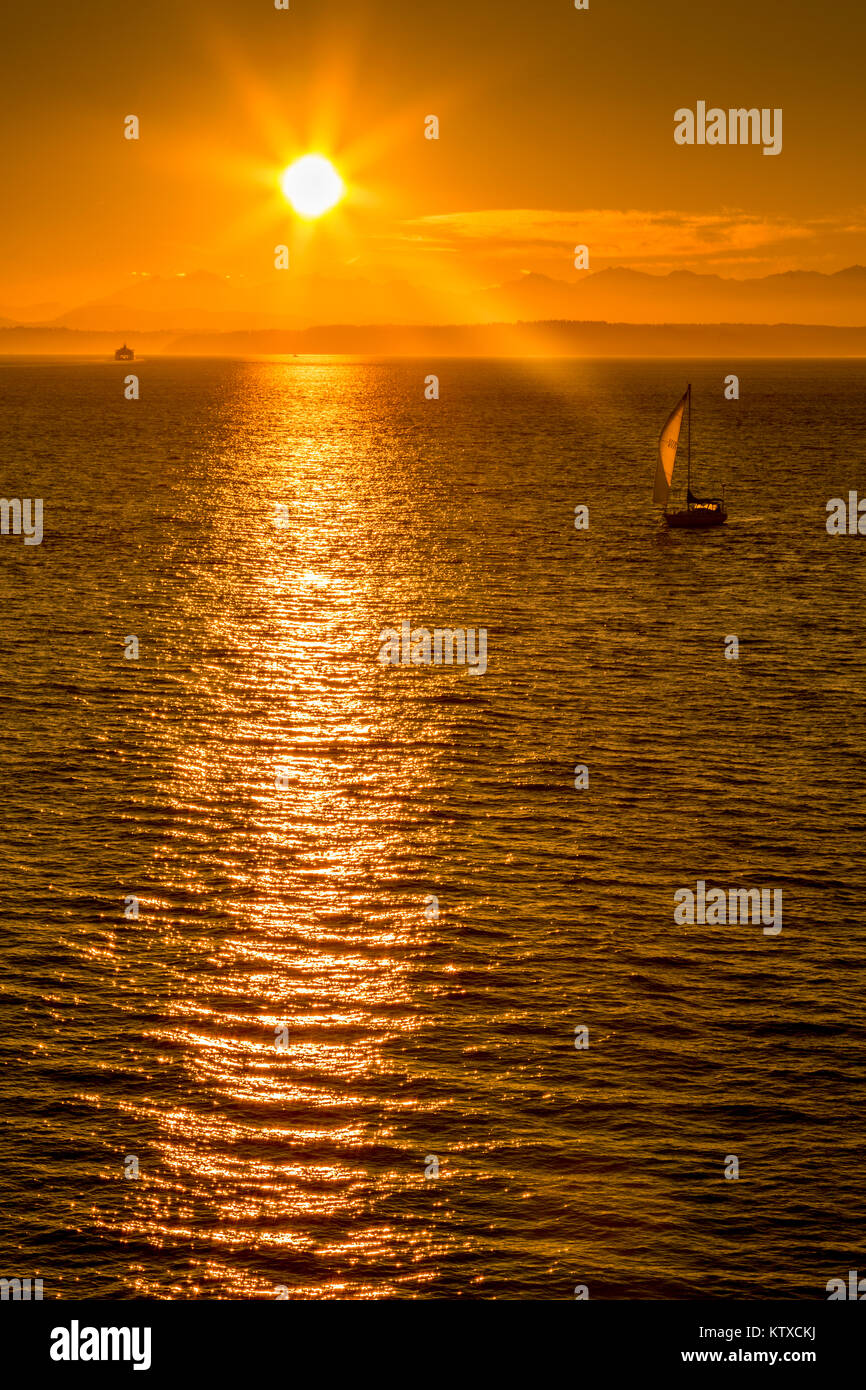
(288, 785)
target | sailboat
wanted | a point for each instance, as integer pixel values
(699, 512)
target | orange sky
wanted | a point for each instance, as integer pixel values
(556, 128)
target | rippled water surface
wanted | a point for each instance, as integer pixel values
(284, 806)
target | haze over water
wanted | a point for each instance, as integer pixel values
(411, 1037)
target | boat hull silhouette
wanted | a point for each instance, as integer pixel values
(698, 518)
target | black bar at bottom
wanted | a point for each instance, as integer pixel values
(290, 1341)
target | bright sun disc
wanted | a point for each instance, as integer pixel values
(312, 185)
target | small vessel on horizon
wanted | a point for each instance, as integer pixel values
(124, 354)
(699, 512)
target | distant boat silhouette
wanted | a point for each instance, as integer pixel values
(699, 512)
(124, 354)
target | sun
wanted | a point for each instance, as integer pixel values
(312, 185)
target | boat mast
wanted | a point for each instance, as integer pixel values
(689, 465)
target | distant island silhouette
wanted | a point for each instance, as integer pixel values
(552, 338)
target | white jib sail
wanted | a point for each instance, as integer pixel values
(668, 440)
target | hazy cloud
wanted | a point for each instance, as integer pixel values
(663, 239)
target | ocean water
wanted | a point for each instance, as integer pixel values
(284, 807)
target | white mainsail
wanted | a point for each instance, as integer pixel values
(668, 441)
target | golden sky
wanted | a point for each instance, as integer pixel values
(556, 128)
